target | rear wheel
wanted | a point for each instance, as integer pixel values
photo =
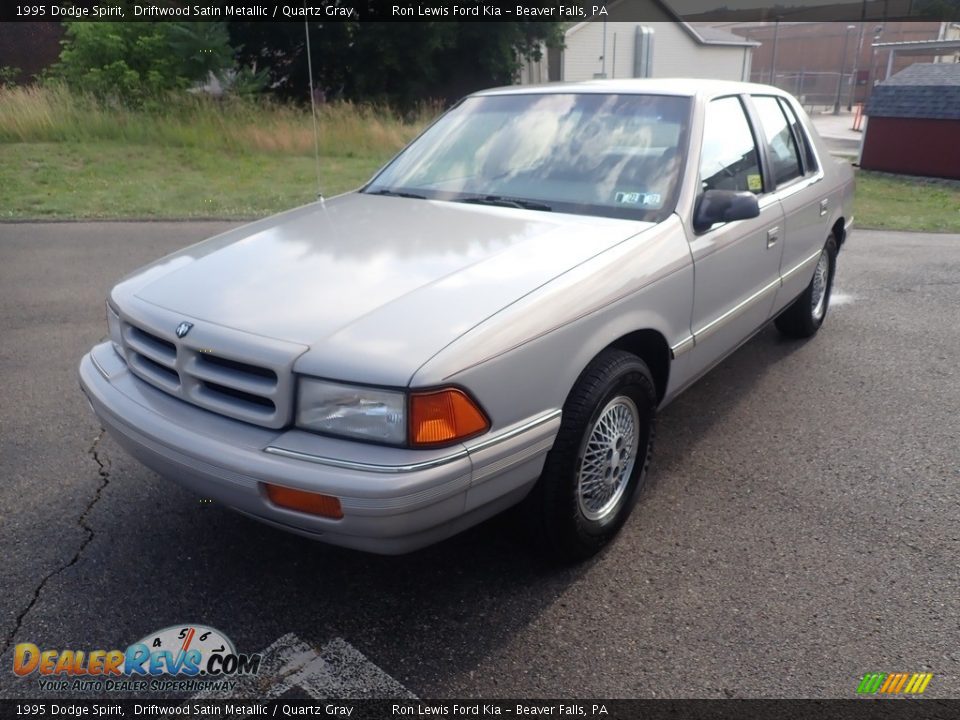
(806, 314)
(593, 474)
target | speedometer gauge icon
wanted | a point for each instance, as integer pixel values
(183, 638)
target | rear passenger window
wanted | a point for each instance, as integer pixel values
(779, 137)
(729, 159)
(806, 150)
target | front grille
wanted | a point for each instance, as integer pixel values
(225, 385)
(246, 397)
(145, 339)
(165, 376)
(239, 366)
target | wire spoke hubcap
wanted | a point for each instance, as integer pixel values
(609, 455)
(818, 298)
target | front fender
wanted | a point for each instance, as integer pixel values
(524, 361)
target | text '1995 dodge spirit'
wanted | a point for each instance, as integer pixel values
(495, 318)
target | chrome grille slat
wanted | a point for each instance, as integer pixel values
(161, 376)
(148, 346)
(251, 384)
(220, 402)
(255, 392)
(237, 366)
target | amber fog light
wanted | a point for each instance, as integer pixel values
(307, 502)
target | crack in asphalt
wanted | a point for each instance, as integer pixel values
(103, 471)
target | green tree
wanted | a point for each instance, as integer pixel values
(397, 62)
(139, 60)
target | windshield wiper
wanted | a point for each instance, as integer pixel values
(398, 193)
(504, 201)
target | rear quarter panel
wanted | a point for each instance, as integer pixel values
(839, 179)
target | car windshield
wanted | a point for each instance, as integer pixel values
(589, 153)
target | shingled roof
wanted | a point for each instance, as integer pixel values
(923, 90)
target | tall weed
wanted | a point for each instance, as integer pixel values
(53, 113)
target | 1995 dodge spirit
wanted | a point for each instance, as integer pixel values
(495, 318)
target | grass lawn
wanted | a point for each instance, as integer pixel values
(65, 155)
(112, 180)
(46, 180)
(900, 202)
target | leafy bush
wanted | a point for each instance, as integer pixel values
(8, 75)
(134, 62)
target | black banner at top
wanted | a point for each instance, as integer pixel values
(733, 11)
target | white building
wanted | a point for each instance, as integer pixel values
(615, 46)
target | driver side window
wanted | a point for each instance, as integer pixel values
(784, 154)
(729, 158)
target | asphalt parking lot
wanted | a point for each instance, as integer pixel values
(800, 527)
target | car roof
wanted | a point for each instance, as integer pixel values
(684, 87)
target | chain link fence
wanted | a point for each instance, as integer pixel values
(816, 91)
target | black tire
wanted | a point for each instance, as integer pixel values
(613, 384)
(801, 318)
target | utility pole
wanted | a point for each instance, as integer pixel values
(773, 59)
(856, 68)
(856, 58)
(843, 69)
(871, 76)
(603, 65)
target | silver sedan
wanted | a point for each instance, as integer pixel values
(494, 319)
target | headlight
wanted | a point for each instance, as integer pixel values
(113, 329)
(352, 411)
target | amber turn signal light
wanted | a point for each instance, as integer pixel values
(307, 502)
(443, 416)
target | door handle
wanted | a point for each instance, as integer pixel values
(773, 234)
(823, 206)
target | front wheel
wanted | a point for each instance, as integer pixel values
(806, 314)
(593, 474)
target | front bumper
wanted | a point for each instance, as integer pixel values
(394, 500)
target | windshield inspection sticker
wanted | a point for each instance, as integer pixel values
(648, 200)
(754, 182)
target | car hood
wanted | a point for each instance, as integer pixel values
(373, 285)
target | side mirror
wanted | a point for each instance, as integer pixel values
(717, 206)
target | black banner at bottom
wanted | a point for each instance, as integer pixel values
(857, 709)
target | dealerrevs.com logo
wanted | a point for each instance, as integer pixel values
(179, 658)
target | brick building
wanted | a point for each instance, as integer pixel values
(811, 55)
